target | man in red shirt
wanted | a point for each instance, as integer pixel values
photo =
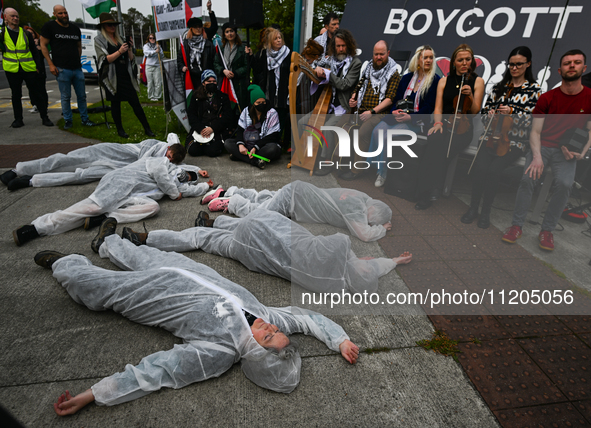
(562, 108)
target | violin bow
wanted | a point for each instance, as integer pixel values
(453, 126)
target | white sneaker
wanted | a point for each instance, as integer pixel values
(380, 181)
(34, 110)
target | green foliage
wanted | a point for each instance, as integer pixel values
(441, 344)
(321, 8)
(29, 12)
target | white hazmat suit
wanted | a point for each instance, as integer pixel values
(87, 164)
(195, 303)
(267, 242)
(128, 194)
(304, 202)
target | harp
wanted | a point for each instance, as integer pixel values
(302, 103)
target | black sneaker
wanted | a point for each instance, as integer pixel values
(92, 222)
(20, 183)
(203, 220)
(68, 124)
(122, 133)
(149, 132)
(46, 258)
(24, 234)
(46, 121)
(8, 176)
(134, 237)
(260, 164)
(17, 124)
(108, 227)
(88, 123)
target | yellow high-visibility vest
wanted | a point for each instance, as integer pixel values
(17, 55)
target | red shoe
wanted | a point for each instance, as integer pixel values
(219, 204)
(211, 195)
(512, 234)
(546, 240)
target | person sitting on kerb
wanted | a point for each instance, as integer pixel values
(220, 322)
(366, 218)
(267, 242)
(88, 164)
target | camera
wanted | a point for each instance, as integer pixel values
(406, 105)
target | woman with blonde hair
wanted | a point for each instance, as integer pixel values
(464, 85)
(152, 53)
(117, 72)
(418, 88)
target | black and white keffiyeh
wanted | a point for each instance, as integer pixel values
(335, 66)
(196, 43)
(322, 40)
(270, 125)
(378, 79)
(274, 60)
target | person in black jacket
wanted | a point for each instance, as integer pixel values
(197, 53)
(210, 112)
(211, 31)
(258, 132)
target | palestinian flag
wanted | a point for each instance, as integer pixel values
(96, 7)
(188, 81)
(227, 85)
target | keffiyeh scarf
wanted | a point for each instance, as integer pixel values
(410, 87)
(378, 79)
(196, 43)
(274, 60)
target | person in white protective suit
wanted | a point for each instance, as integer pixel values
(366, 218)
(219, 321)
(267, 242)
(127, 194)
(90, 163)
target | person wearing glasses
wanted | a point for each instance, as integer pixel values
(514, 97)
(152, 53)
(117, 72)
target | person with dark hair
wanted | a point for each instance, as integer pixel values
(380, 84)
(118, 72)
(128, 194)
(211, 118)
(19, 63)
(232, 63)
(221, 323)
(258, 132)
(212, 29)
(331, 24)
(511, 101)
(464, 85)
(65, 40)
(556, 112)
(419, 88)
(88, 164)
(341, 69)
(153, 57)
(197, 53)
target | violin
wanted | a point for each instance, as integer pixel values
(501, 125)
(461, 121)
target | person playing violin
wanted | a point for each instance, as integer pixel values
(452, 130)
(506, 138)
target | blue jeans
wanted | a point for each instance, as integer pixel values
(67, 78)
(564, 176)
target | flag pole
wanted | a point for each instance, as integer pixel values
(120, 19)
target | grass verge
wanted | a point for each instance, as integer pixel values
(441, 344)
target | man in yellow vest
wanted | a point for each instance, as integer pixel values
(18, 62)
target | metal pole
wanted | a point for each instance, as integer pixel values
(297, 26)
(309, 20)
(120, 19)
(83, 18)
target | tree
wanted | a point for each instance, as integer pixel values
(29, 12)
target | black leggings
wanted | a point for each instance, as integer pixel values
(134, 102)
(270, 151)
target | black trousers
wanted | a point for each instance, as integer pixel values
(31, 79)
(270, 151)
(434, 163)
(212, 149)
(486, 174)
(135, 104)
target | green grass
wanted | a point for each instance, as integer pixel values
(154, 112)
(441, 344)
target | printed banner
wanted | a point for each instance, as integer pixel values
(492, 29)
(171, 21)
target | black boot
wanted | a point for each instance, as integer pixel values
(20, 183)
(134, 237)
(8, 176)
(470, 215)
(108, 227)
(484, 220)
(203, 220)
(24, 234)
(121, 132)
(47, 258)
(92, 222)
(149, 132)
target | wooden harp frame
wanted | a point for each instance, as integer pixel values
(318, 117)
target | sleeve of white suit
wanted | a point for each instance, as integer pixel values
(159, 169)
